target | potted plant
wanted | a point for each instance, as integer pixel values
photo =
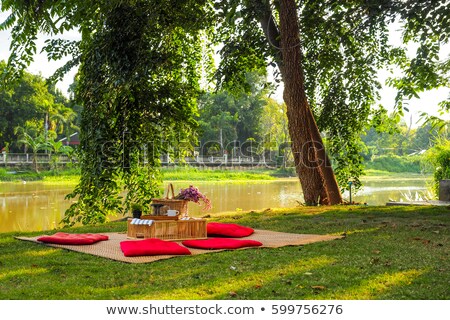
(136, 210)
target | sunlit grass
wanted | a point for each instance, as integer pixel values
(243, 280)
(28, 272)
(372, 288)
(350, 232)
(41, 253)
(61, 180)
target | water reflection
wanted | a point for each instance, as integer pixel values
(31, 206)
(34, 206)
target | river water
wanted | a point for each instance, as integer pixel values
(34, 206)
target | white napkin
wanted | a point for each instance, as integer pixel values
(141, 221)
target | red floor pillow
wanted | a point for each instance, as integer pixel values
(152, 247)
(217, 229)
(221, 243)
(73, 238)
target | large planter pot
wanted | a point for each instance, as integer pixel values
(444, 190)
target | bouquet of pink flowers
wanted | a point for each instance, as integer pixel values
(193, 194)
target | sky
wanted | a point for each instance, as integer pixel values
(41, 65)
(428, 101)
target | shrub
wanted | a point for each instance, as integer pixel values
(438, 158)
(394, 163)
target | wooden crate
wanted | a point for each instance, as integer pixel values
(169, 229)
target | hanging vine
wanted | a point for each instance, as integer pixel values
(138, 82)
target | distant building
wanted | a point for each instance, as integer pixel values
(73, 140)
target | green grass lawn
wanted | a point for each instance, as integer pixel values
(387, 253)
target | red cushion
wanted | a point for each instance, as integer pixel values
(221, 243)
(73, 238)
(152, 247)
(232, 230)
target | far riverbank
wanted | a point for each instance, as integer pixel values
(72, 176)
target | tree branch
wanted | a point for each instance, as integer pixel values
(270, 29)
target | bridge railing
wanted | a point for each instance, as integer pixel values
(43, 158)
(27, 158)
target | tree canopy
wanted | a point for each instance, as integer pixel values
(231, 119)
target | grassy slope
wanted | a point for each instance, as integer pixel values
(388, 253)
(72, 177)
(386, 175)
(186, 174)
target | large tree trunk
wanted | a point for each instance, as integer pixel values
(331, 193)
(313, 166)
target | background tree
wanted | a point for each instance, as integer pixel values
(28, 105)
(274, 125)
(56, 149)
(28, 99)
(425, 138)
(250, 106)
(35, 144)
(64, 122)
(218, 119)
(33, 128)
(229, 118)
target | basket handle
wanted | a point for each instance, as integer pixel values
(170, 188)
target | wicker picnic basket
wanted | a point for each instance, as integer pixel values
(170, 202)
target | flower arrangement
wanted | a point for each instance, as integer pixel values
(193, 194)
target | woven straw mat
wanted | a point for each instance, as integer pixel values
(111, 248)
